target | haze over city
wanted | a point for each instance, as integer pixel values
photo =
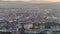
(35, 1)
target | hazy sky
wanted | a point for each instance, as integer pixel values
(36, 1)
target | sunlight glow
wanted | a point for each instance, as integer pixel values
(35, 1)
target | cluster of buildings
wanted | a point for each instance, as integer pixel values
(29, 22)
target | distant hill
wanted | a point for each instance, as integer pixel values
(25, 4)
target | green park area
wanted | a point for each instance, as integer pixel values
(5, 33)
